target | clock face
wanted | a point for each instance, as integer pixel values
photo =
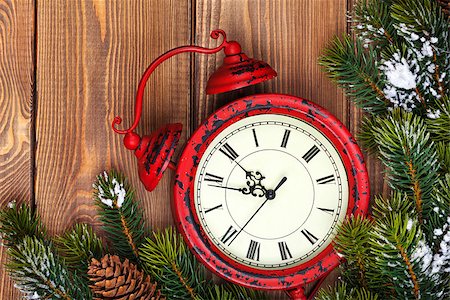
(261, 186)
(270, 190)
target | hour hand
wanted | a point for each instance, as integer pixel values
(228, 188)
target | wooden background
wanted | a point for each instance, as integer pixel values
(68, 67)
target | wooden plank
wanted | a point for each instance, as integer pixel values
(288, 34)
(16, 80)
(91, 55)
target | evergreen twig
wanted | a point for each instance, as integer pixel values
(180, 275)
(121, 215)
(406, 149)
(354, 69)
(18, 221)
(78, 246)
(39, 273)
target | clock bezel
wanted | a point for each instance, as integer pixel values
(183, 206)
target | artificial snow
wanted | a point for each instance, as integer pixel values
(423, 254)
(414, 37)
(116, 196)
(399, 74)
(435, 114)
(409, 225)
(120, 192)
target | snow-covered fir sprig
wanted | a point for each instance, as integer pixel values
(410, 57)
(40, 274)
(396, 66)
(120, 214)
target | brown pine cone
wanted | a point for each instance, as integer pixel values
(445, 7)
(112, 279)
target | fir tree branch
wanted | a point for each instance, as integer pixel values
(78, 246)
(392, 243)
(440, 127)
(425, 21)
(180, 275)
(354, 69)
(38, 272)
(167, 258)
(411, 272)
(340, 291)
(232, 292)
(121, 215)
(443, 151)
(18, 221)
(352, 242)
(406, 149)
(374, 23)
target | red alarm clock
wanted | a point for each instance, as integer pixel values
(262, 184)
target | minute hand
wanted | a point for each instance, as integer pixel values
(228, 187)
(270, 195)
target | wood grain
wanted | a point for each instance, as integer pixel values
(16, 78)
(91, 55)
(287, 34)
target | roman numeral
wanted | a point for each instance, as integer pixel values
(284, 251)
(229, 152)
(327, 210)
(311, 153)
(255, 138)
(213, 208)
(285, 138)
(326, 179)
(228, 235)
(253, 250)
(311, 238)
(213, 178)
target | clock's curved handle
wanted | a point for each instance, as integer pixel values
(140, 91)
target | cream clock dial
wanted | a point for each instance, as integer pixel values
(270, 190)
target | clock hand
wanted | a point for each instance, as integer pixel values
(283, 180)
(270, 195)
(228, 187)
(247, 173)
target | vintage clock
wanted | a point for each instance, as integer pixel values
(262, 184)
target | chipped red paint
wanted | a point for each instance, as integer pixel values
(183, 202)
(154, 152)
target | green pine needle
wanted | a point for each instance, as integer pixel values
(443, 151)
(232, 292)
(78, 246)
(440, 127)
(354, 68)
(180, 274)
(373, 22)
(18, 221)
(341, 292)
(168, 259)
(38, 272)
(406, 149)
(121, 215)
(392, 243)
(355, 232)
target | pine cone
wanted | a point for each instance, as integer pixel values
(112, 279)
(445, 7)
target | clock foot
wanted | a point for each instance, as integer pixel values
(297, 293)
